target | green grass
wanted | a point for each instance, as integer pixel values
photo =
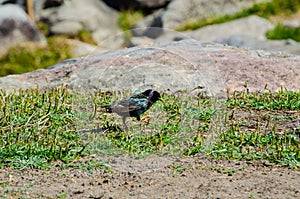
(259, 127)
(128, 18)
(26, 58)
(284, 32)
(83, 36)
(39, 127)
(255, 126)
(265, 10)
(266, 100)
(176, 122)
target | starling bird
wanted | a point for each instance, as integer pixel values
(135, 105)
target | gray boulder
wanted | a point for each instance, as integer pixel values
(147, 36)
(248, 41)
(79, 49)
(293, 23)
(149, 26)
(16, 27)
(91, 15)
(181, 11)
(252, 26)
(248, 32)
(206, 68)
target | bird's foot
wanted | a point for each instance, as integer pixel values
(146, 119)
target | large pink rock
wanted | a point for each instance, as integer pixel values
(207, 68)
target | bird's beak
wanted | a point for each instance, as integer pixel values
(161, 99)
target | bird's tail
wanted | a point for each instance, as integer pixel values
(107, 108)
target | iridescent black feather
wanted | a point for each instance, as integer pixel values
(135, 105)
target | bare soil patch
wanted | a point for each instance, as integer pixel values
(155, 177)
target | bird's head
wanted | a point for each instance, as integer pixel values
(153, 95)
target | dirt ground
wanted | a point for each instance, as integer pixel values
(154, 177)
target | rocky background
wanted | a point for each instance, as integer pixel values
(150, 57)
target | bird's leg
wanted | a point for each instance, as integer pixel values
(124, 124)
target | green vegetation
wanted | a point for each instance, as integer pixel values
(63, 195)
(284, 32)
(178, 121)
(259, 127)
(247, 126)
(266, 10)
(84, 36)
(128, 18)
(282, 100)
(126, 21)
(38, 127)
(21, 59)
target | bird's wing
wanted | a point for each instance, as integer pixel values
(135, 104)
(126, 106)
(139, 100)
